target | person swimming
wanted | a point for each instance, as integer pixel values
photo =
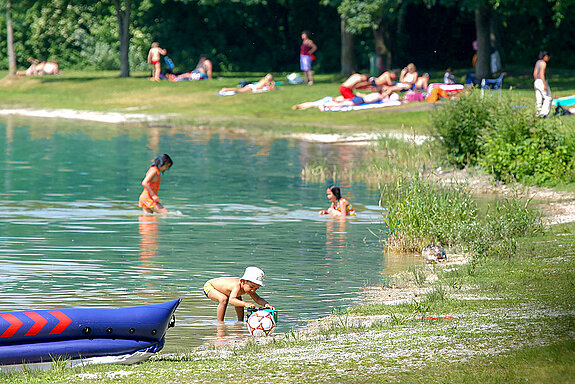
(339, 206)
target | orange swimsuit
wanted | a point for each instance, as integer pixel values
(145, 198)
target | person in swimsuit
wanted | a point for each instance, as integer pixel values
(229, 290)
(407, 79)
(386, 79)
(149, 199)
(306, 56)
(422, 82)
(355, 81)
(267, 83)
(341, 101)
(339, 206)
(204, 67)
(154, 57)
(543, 95)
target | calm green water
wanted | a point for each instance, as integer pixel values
(72, 235)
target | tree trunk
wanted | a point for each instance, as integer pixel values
(495, 36)
(124, 29)
(10, 40)
(347, 51)
(380, 36)
(482, 29)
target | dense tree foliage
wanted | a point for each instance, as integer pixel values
(264, 35)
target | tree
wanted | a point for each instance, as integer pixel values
(10, 39)
(348, 64)
(123, 15)
(483, 12)
(376, 16)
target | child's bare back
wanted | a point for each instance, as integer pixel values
(226, 285)
(229, 290)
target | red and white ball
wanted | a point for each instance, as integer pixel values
(261, 323)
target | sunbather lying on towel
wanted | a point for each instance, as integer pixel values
(340, 101)
(190, 76)
(267, 83)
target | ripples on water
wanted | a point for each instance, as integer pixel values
(68, 240)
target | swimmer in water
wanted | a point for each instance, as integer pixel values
(339, 206)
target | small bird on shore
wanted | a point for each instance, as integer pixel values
(433, 253)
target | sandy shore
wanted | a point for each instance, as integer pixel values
(101, 117)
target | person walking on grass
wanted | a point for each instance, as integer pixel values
(542, 91)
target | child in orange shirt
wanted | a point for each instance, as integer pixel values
(149, 199)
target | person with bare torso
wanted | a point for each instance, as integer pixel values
(542, 91)
(229, 290)
(154, 56)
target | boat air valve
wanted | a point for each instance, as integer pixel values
(154, 331)
(86, 330)
(109, 330)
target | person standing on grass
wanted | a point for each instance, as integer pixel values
(306, 56)
(542, 91)
(154, 57)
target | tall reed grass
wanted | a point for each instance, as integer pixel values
(419, 212)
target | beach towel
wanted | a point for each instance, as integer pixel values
(379, 104)
(566, 101)
(188, 76)
(446, 87)
(231, 93)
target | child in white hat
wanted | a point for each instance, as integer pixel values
(224, 290)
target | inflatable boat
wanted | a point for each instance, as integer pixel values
(84, 335)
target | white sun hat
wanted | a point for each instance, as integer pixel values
(255, 275)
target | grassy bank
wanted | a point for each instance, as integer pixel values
(196, 103)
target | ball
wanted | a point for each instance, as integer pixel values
(261, 323)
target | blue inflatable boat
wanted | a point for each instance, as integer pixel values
(84, 335)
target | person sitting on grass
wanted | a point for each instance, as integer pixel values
(407, 80)
(267, 83)
(229, 290)
(204, 67)
(422, 82)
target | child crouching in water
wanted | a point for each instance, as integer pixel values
(224, 290)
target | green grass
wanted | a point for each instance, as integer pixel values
(195, 102)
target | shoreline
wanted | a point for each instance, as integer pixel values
(360, 139)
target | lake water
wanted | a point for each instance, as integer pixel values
(72, 234)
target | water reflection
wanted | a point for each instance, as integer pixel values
(73, 235)
(148, 228)
(335, 236)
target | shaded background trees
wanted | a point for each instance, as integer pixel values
(261, 35)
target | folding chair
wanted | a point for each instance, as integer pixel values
(495, 84)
